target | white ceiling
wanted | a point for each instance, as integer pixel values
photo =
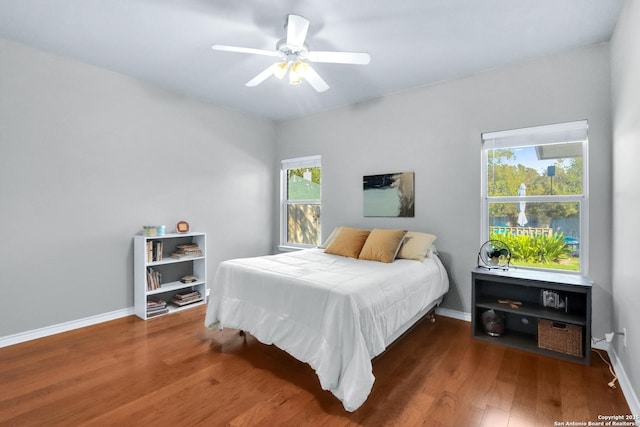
(411, 42)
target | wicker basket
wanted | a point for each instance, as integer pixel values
(561, 337)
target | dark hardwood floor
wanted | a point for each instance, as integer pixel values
(172, 371)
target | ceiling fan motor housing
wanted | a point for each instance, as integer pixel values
(291, 53)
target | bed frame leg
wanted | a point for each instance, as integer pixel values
(242, 334)
(431, 315)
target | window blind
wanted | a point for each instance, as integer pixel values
(537, 135)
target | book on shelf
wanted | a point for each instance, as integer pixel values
(153, 279)
(189, 247)
(156, 306)
(157, 250)
(187, 295)
(155, 302)
(187, 251)
(154, 250)
(185, 298)
(157, 312)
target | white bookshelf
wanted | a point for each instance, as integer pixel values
(170, 269)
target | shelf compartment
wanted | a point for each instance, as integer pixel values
(174, 309)
(532, 310)
(522, 341)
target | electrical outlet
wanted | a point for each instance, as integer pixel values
(624, 331)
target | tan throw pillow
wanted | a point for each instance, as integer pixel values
(416, 245)
(348, 242)
(332, 236)
(382, 245)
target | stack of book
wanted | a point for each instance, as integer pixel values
(153, 279)
(156, 306)
(187, 251)
(154, 250)
(185, 298)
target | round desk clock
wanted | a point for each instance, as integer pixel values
(182, 227)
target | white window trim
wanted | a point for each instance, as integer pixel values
(540, 135)
(294, 163)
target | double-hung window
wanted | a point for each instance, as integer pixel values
(535, 194)
(300, 197)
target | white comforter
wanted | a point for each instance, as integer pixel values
(331, 312)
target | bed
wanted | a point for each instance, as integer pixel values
(334, 312)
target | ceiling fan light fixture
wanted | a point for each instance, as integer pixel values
(297, 71)
(280, 69)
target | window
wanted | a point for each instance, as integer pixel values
(300, 195)
(534, 194)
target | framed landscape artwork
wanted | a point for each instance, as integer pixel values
(389, 195)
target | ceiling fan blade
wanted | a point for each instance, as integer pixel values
(315, 80)
(260, 77)
(297, 28)
(244, 50)
(360, 58)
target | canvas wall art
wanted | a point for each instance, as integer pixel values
(389, 195)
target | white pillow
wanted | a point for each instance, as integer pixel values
(416, 245)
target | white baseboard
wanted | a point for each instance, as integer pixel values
(63, 327)
(454, 314)
(623, 380)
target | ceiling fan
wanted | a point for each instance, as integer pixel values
(293, 52)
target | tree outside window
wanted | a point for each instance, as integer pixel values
(302, 184)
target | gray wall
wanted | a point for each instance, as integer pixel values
(435, 131)
(87, 157)
(625, 77)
